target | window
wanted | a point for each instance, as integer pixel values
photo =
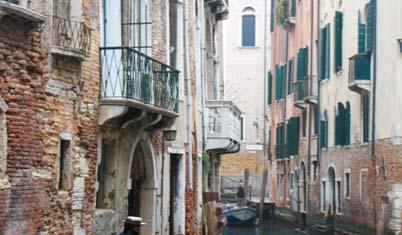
(366, 113)
(293, 131)
(304, 117)
(280, 81)
(361, 34)
(347, 184)
(338, 198)
(324, 130)
(293, 8)
(3, 140)
(323, 196)
(269, 92)
(315, 166)
(106, 176)
(62, 8)
(338, 40)
(302, 63)
(248, 27)
(280, 141)
(316, 120)
(342, 125)
(64, 162)
(325, 51)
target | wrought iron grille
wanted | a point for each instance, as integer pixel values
(74, 35)
(130, 74)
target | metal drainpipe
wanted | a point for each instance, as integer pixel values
(203, 91)
(373, 140)
(318, 84)
(306, 197)
(188, 96)
(265, 84)
(285, 134)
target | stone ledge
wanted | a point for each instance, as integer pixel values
(77, 54)
(18, 12)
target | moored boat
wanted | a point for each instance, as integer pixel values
(241, 216)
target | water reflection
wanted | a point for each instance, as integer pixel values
(268, 228)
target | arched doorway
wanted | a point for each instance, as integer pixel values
(302, 187)
(142, 192)
(331, 190)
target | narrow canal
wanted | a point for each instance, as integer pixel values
(273, 228)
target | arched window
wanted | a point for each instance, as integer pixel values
(248, 27)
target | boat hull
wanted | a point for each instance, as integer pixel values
(241, 217)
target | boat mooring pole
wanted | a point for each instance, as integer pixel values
(262, 196)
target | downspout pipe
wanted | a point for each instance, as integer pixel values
(265, 96)
(318, 84)
(189, 99)
(311, 110)
(373, 140)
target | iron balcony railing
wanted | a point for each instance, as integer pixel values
(281, 151)
(300, 89)
(70, 34)
(130, 74)
(359, 67)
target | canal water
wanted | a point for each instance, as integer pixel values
(267, 229)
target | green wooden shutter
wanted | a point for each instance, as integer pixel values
(302, 63)
(316, 120)
(293, 8)
(328, 51)
(290, 75)
(362, 38)
(371, 11)
(293, 135)
(269, 92)
(347, 118)
(272, 25)
(323, 48)
(338, 40)
(278, 84)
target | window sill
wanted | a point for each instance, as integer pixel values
(249, 47)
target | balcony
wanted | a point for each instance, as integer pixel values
(306, 91)
(281, 151)
(21, 15)
(70, 38)
(224, 127)
(312, 89)
(300, 89)
(135, 80)
(359, 73)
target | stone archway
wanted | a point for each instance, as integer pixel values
(141, 199)
(330, 199)
(302, 187)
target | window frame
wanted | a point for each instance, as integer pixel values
(248, 12)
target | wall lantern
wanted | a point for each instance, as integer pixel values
(400, 44)
(169, 135)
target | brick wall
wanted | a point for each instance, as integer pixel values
(34, 86)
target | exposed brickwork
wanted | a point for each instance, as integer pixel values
(32, 83)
